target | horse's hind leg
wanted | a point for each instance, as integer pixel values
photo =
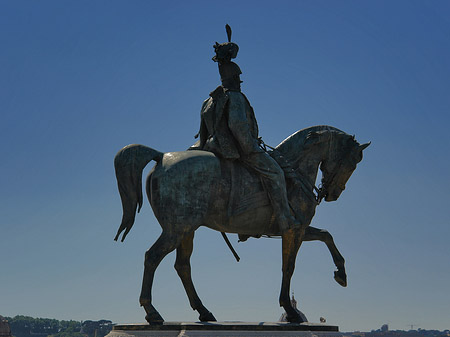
(313, 234)
(165, 244)
(183, 268)
(292, 239)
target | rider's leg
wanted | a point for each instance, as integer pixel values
(274, 182)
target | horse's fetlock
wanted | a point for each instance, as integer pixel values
(283, 302)
(144, 301)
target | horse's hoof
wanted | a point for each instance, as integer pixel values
(154, 319)
(340, 277)
(208, 317)
(294, 319)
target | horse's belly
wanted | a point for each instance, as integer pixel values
(256, 221)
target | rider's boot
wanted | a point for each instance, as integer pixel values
(275, 185)
(281, 209)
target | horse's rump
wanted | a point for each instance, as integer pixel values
(179, 187)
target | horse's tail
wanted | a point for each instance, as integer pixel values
(129, 164)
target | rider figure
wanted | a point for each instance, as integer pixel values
(229, 129)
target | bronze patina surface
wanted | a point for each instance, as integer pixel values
(230, 182)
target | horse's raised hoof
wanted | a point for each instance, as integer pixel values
(341, 277)
(207, 317)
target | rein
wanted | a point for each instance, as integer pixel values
(327, 182)
(294, 174)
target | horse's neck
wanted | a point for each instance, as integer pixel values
(307, 164)
(302, 196)
(306, 158)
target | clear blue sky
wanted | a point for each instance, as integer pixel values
(81, 79)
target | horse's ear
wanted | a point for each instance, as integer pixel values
(360, 151)
(364, 146)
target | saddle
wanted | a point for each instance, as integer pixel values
(247, 191)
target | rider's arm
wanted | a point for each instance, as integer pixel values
(239, 123)
(203, 132)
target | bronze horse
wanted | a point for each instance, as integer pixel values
(192, 188)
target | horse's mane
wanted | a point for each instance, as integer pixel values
(295, 144)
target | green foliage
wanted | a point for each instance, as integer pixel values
(25, 326)
(67, 333)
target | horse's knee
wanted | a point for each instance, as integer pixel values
(148, 255)
(182, 267)
(151, 258)
(147, 258)
(327, 238)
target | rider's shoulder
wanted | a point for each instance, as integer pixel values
(218, 92)
(235, 96)
(236, 100)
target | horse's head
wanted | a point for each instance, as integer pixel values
(343, 155)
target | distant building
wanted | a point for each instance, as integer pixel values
(294, 305)
(5, 329)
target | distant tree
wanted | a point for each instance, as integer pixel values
(25, 326)
(68, 333)
(96, 328)
(21, 325)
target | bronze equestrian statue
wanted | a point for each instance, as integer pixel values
(226, 182)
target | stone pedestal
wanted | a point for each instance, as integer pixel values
(262, 329)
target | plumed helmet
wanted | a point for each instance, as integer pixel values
(225, 52)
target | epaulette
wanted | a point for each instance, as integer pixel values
(217, 93)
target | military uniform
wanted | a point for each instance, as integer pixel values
(229, 129)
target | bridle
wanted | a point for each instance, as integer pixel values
(322, 191)
(314, 193)
(293, 173)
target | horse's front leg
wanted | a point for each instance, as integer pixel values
(313, 234)
(183, 268)
(292, 239)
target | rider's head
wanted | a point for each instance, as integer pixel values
(230, 76)
(229, 71)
